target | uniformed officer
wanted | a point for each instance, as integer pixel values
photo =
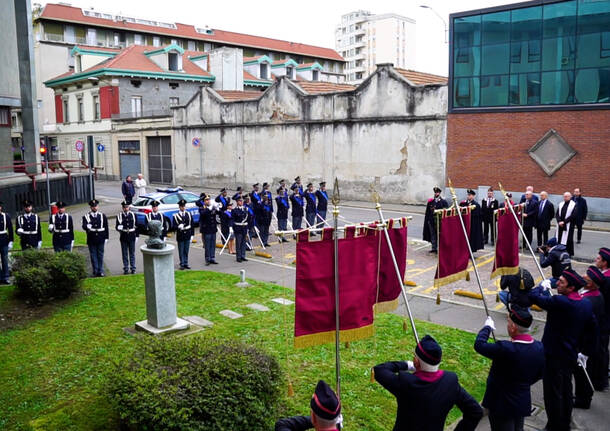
(325, 413)
(430, 221)
(322, 197)
(297, 182)
(226, 227)
(223, 199)
(156, 215)
(183, 220)
(28, 228)
(62, 228)
(240, 227)
(207, 227)
(252, 222)
(282, 206)
(267, 193)
(126, 226)
(568, 320)
(95, 224)
(6, 244)
(284, 187)
(263, 219)
(516, 365)
(310, 209)
(255, 196)
(238, 193)
(426, 396)
(297, 204)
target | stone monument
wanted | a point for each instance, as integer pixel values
(160, 285)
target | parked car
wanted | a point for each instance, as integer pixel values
(168, 205)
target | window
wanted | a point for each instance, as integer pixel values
(91, 36)
(315, 75)
(96, 107)
(136, 106)
(156, 41)
(53, 31)
(137, 39)
(172, 63)
(191, 45)
(80, 109)
(264, 71)
(66, 111)
(5, 117)
(290, 72)
(174, 101)
(79, 64)
(69, 34)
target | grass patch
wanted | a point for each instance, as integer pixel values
(80, 238)
(52, 370)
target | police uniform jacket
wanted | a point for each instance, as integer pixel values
(30, 223)
(269, 197)
(557, 258)
(282, 204)
(296, 202)
(223, 201)
(255, 198)
(240, 219)
(63, 229)
(251, 216)
(159, 217)
(96, 227)
(126, 226)
(264, 214)
(310, 197)
(322, 200)
(487, 211)
(207, 220)
(6, 230)
(300, 187)
(423, 405)
(226, 219)
(187, 230)
(516, 366)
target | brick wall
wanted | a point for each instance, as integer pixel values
(485, 148)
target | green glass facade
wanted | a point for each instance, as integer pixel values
(545, 54)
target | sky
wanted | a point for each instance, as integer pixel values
(311, 22)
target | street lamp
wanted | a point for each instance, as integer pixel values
(423, 6)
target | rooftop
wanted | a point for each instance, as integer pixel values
(421, 78)
(317, 87)
(232, 96)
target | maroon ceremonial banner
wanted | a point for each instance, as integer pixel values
(506, 261)
(453, 254)
(389, 289)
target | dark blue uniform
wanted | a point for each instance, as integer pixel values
(516, 366)
(310, 210)
(28, 229)
(95, 224)
(207, 227)
(282, 205)
(423, 403)
(126, 226)
(241, 217)
(63, 231)
(226, 223)
(223, 201)
(159, 217)
(252, 223)
(558, 259)
(297, 204)
(294, 423)
(264, 215)
(6, 237)
(322, 204)
(184, 232)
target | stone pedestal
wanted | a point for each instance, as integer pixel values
(160, 292)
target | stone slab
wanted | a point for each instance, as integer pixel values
(180, 325)
(199, 321)
(231, 314)
(283, 301)
(257, 307)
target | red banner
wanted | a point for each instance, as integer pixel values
(389, 289)
(453, 254)
(506, 261)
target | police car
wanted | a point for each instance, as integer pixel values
(168, 205)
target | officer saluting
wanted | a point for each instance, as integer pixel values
(28, 228)
(223, 199)
(238, 193)
(322, 201)
(6, 244)
(62, 228)
(126, 226)
(184, 233)
(282, 205)
(240, 217)
(426, 396)
(156, 215)
(95, 224)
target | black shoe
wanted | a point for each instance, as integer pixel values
(284, 240)
(433, 252)
(181, 268)
(102, 274)
(266, 245)
(213, 262)
(187, 267)
(244, 260)
(578, 242)
(133, 271)
(5, 282)
(207, 264)
(582, 405)
(238, 260)
(125, 272)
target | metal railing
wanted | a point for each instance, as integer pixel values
(20, 169)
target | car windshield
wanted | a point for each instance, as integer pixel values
(171, 199)
(141, 202)
(189, 197)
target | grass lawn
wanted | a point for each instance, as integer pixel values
(52, 369)
(80, 238)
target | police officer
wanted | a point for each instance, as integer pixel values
(284, 188)
(156, 215)
(297, 183)
(126, 226)
(255, 196)
(241, 218)
(238, 193)
(183, 220)
(297, 204)
(568, 319)
(62, 228)
(556, 256)
(430, 221)
(28, 228)
(426, 396)
(516, 365)
(325, 413)
(322, 201)
(263, 219)
(95, 224)
(252, 222)
(226, 227)
(6, 244)
(223, 199)
(310, 210)
(207, 227)
(267, 192)
(282, 205)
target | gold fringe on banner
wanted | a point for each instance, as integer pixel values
(450, 278)
(505, 270)
(372, 375)
(346, 335)
(386, 307)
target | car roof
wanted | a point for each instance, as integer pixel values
(161, 195)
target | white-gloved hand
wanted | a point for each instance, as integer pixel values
(20, 230)
(51, 228)
(39, 245)
(119, 227)
(72, 244)
(10, 245)
(89, 226)
(490, 322)
(105, 241)
(191, 240)
(410, 365)
(546, 284)
(582, 360)
(340, 421)
(181, 226)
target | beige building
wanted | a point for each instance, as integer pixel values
(365, 40)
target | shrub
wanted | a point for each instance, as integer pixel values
(196, 383)
(41, 275)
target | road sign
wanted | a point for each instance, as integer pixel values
(196, 141)
(79, 145)
(100, 147)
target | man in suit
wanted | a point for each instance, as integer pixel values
(62, 228)
(185, 229)
(95, 224)
(546, 212)
(28, 228)
(581, 213)
(530, 211)
(426, 395)
(488, 206)
(524, 195)
(567, 213)
(516, 365)
(325, 413)
(126, 226)
(430, 221)
(6, 244)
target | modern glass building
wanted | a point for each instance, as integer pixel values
(543, 54)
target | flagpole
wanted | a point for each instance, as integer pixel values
(335, 201)
(474, 264)
(398, 276)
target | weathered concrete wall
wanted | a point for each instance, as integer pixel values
(385, 132)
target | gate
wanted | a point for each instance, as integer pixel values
(160, 159)
(129, 157)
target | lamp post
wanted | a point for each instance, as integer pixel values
(423, 6)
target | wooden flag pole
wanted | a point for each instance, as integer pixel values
(335, 201)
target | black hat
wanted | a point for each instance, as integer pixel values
(238, 189)
(429, 351)
(552, 242)
(154, 204)
(255, 185)
(94, 203)
(181, 203)
(282, 181)
(60, 204)
(471, 192)
(436, 189)
(508, 194)
(293, 187)
(309, 184)
(239, 198)
(297, 179)
(247, 197)
(279, 190)
(206, 197)
(514, 281)
(596, 275)
(324, 402)
(573, 278)
(323, 183)
(520, 316)
(202, 195)
(265, 185)
(27, 204)
(604, 252)
(223, 190)
(125, 204)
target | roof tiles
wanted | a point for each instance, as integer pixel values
(318, 87)
(421, 78)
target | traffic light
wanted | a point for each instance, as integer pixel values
(43, 150)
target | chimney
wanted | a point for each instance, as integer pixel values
(227, 66)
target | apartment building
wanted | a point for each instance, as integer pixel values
(365, 40)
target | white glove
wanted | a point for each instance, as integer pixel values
(410, 366)
(119, 227)
(51, 228)
(20, 230)
(181, 226)
(10, 245)
(89, 226)
(105, 241)
(582, 360)
(39, 245)
(191, 240)
(137, 238)
(490, 322)
(72, 244)
(340, 421)
(546, 284)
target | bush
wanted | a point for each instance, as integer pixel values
(196, 383)
(41, 275)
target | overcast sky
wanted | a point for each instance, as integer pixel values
(311, 22)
